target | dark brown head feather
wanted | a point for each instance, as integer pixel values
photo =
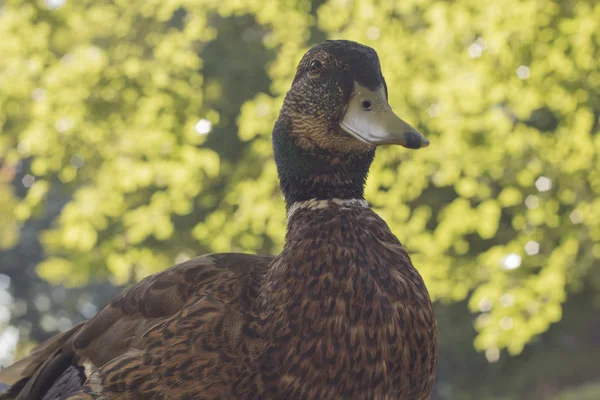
(315, 158)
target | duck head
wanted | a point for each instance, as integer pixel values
(333, 118)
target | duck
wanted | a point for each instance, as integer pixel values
(340, 313)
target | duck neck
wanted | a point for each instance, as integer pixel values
(311, 173)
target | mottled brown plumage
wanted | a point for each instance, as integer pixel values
(341, 313)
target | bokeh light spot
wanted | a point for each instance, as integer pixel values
(477, 47)
(532, 201)
(532, 247)
(55, 4)
(373, 33)
(506, 323)
(523, 72)
(63, 124)
(576, 217)
(203, 127)
(511, 261)
(434, 110)
(485, 305)
(492, 354)
(28, 180)
(543, 184)
(507, 299)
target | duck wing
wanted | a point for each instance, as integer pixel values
(183, 318)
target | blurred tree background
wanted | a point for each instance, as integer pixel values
(136, 134)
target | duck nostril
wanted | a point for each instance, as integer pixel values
(366, 104)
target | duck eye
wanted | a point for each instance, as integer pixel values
(366, 105)
(315, 66)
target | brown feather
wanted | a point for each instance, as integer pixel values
(347, 319)
(341, 313)
(353, 316)
(130, 320)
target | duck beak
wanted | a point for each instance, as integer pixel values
(370, 119)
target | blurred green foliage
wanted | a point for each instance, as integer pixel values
(9, 232)
(102, 100)
(588, 392)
